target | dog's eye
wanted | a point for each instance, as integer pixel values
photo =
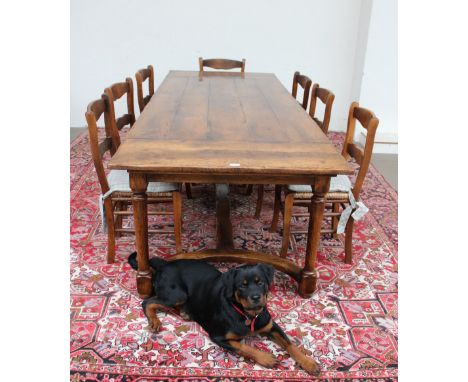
(259, 282)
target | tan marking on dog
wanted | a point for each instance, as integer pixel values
(154, 324)
(261, 357)
(241, 301)
(233, 336)
(307, 363)
(265, 329)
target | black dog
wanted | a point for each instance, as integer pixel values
(229, 306)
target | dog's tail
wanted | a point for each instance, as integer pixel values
(155, 262)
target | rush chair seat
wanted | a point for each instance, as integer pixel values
(116, 194)
(305, 83)
(141, 76)
(342, 201)
(327, 97)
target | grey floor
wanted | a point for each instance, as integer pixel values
(75, 131)
(387, 164)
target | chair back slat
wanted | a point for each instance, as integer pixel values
(96, 108)
(221, 64)
(369, 122)
(105, 146)
(141, 76)
(122, 121)
(305, 82)
(144, 73)
(119, 89)
(356, 153)
(146, 100)
(327, 97)
(364, 116)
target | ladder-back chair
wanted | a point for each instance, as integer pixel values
(112, 94)
(337, 198)
(141, 76)
(116, 193)
(305, 83)
(327, 98)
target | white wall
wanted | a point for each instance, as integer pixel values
(380, 74)
(111, 39)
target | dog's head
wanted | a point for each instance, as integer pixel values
(248, 285)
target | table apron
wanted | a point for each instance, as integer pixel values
(233, 179)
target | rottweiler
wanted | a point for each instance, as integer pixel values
(229, 305)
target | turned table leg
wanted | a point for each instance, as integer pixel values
(223, 219)
(138, 184)
(309, 275)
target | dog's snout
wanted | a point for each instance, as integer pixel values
(255, 297)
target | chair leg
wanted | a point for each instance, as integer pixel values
(335, 219)
(120, 206)
(287, 215)
(108, 208)
(177, 206)
(349, 241)
(188, 190)
(258, 207)
(276, 209)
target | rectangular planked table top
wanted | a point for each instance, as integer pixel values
(227, 123)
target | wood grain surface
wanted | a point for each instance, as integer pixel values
(227, 123)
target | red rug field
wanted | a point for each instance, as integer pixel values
(349, 325)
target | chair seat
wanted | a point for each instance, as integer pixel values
(339, 189)
(119, 182)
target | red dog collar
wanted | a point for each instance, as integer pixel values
(248, 320)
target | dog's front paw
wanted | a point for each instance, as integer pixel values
(154, 325)
(309, 365)
(266, 359)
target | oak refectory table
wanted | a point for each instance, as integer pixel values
(228, 128)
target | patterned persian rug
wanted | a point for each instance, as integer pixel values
(349, 326)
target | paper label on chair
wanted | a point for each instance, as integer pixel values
(234, 164)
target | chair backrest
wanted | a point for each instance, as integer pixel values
(305, 83)
(141, 76)
(112, 94)
(221, 63)
(327, 97)
(368, 121)
(98, 149)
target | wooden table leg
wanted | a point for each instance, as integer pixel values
(223, 219)
(138, 184)
(309, 274)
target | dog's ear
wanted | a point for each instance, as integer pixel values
(227, 279)
(268, 272)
